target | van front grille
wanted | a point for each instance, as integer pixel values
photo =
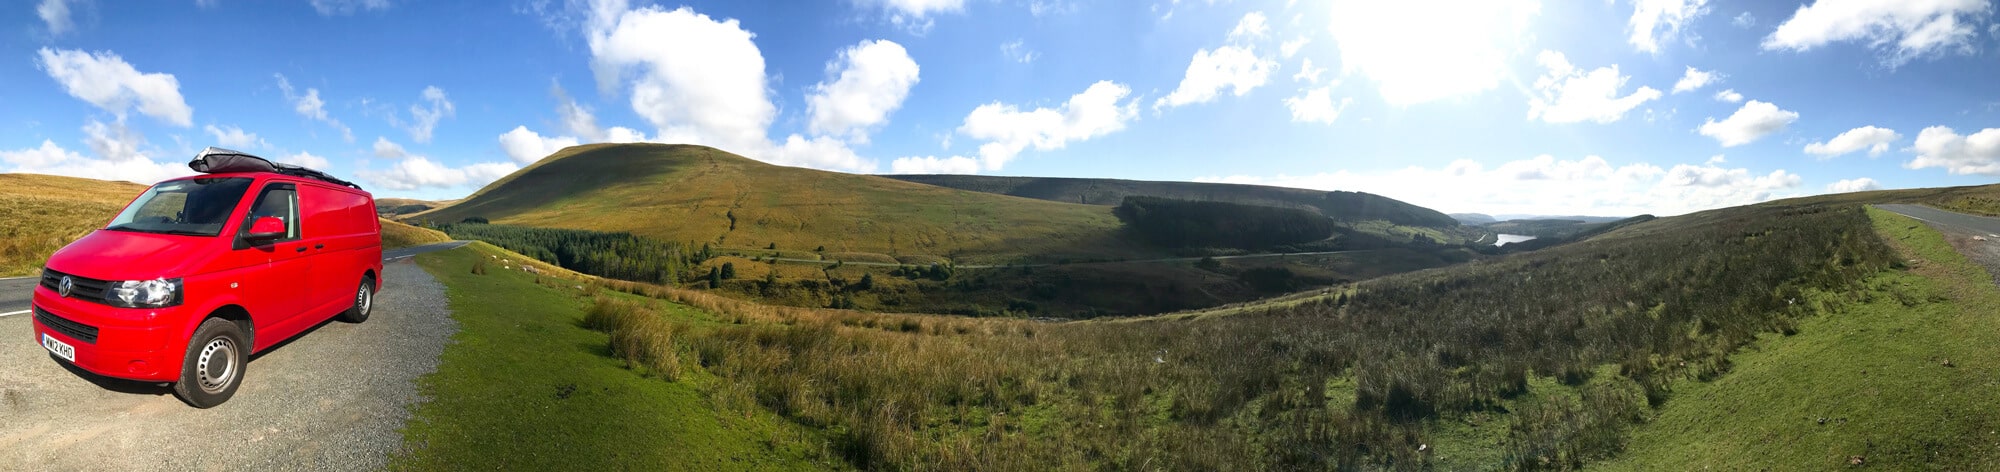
(78, 331)
(82, 288)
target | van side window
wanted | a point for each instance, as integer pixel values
(279, 200)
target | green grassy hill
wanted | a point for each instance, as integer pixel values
(1716, 340)
(394, 207)
(1341, 206)
(707, 196)
(398, 235)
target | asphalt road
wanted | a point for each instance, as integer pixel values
(331, 399)
(1959, 222)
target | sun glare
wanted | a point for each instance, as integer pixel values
(1424, 50)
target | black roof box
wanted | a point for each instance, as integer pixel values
(215, 160)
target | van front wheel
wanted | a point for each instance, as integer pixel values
(213, 367)
(364, 301)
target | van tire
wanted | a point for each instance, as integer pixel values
(364, 302)
(216, 341)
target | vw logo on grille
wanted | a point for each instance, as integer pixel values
(63, 287)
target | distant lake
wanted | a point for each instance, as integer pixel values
(1511, 238)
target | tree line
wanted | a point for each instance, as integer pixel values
(615, 255)
(1209, 224)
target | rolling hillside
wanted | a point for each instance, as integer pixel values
(393, 207)
(1341, 206)
(707, 196)
(41, 213)
(1794, 334)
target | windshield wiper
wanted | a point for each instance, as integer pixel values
(177, 232)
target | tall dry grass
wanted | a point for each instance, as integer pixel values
(1354, 380)
(40, 214)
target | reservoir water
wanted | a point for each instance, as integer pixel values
(1511, 238)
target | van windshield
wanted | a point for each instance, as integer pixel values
(192, 207)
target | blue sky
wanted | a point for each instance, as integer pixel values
(1502, 106)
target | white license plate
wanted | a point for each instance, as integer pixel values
(62, 349)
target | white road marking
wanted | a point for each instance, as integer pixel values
(21, 277)
(22, 312)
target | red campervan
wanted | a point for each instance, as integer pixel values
(199, 272)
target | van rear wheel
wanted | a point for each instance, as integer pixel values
(364, 302)
(213, 366)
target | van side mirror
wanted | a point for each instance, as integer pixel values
(266, 228)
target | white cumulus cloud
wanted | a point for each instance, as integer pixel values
(1307, 73)
(114, 141)
(1755, 120)
(107, 81)
(235, 138)
(1655, 21)
(419, 172)
(1567, 94)
(309, 105)
(1252, 26)
(118, 158)
(306, 160)
(915, 15)
(389, 149)
(347, 7)
(1694, 80)
(424, 119)
(1939, 146)
(1900, 30)
(1853, 185)
(935, 165)
(526, 147)
(1006, 130)
(1236, 68)
(1017, 51)
(1876, 140)
(46, 155)
(1316, 106)
(55, 14)
(700, 81)
(868, 82)
(1291, 48)
(1420, 51)
(1729, 95)
(697, 79)
(1546, 185)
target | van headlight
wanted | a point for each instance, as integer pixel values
(154, 293)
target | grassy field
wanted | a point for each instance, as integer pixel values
(41, 213)
(395, 207)
(1624, 352)
(1341, 206)
(707, 196)
(398, 235)
(1905, 380)
(524, 386)
(1369, 213)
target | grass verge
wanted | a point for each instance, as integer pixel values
(525, 386)
(1904, 380)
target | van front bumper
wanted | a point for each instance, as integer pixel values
(128, 343)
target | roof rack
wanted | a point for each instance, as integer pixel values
(215, 160)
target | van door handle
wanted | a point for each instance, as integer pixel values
(301, 249)
(319, 246)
